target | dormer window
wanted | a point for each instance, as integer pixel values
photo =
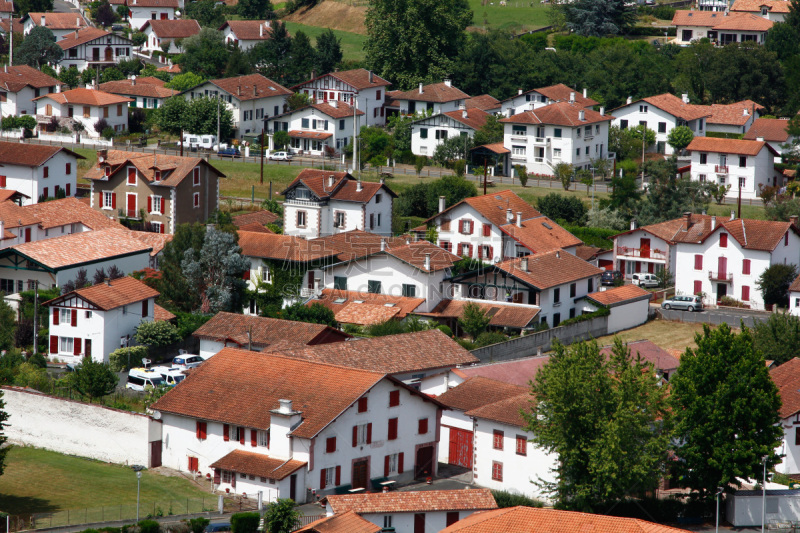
(157, 175)
(764, 11)
(108, 171)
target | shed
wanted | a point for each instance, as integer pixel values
(628, 306)
(743, 508)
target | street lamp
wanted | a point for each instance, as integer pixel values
(138, 469)
(593, 169)
(764, 494)
(720, 490)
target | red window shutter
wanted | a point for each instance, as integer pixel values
(74, 317)
(203, 430)
(490, 252)
(400, 463)
(487, 230)
(149, 204)
(470, 250)
(46, 172)
(56, 315)
(480, 252)
(422, 426)
(746, 266)
(233, 479)
(217, 476)
(786, 239)
(745, 293)
(69, 191)
(394, 398)
(144, 308)
(698, 262)
(322, 479)
(2, 181)
(362, 405)
(253, 437)
(698, 286)
(131, 175)
(102, 198)
(162, 207)
(162, 227)
(392, 429)
(369, 433)
(461, 226)
(53, 343)
(386, 466)
(69, 168)
(191, 464)
(241, 436)
(330, 445)
(46, 195)
(269, 435)
(338, 480)
(197, 429)
(723, 240)
(355, 436)
(113, 200)
(76, 344)
(226, 432)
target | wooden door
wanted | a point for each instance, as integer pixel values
(293, 487)
(27, 234)
(109, 54)
(460, 447)
(424, 464)
(419, 523)
(651, 268)
(131, 205)
(311, 279)
(87, 349)
(644, 247)
(722, 268)
(360, 474)
(155, 453)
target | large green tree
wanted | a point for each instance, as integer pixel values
(726, 409)
(778, 337)
(208, 13)
(272, 58)
(205, 54)
(281, 516)
(413, 41)
(597, 18)
(329, 51)
(215, 272)
(94, 380)
(255, 9)
(176, 292)
(774, 284)
(39, 48)
(304, 59)
(23, 7)
(607, 419)
(491, 132)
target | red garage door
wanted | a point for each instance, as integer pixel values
(460, 447)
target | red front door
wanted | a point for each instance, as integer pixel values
(132, 205)
(644, 247)
(460, 447)
(722, 268)
(27, 234)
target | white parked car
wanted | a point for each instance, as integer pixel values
(280, 156)
(645, 280)
(139, 378)
(171, 376)
(184, 361)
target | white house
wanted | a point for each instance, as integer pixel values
(563, 132)
(412, 511)
(305, 435)
(774, 10)
(366, 89)
(735, 118)
(719, 27)
(159, 32)
(774, 132)
(140, 11)
(38, 171)
(95, 321)
(319, 129)
(320, 203)
(414, 270)
(787, 378)
(745, 166)
(246, 33)
(727, 259)
(84, 106)
(430, 99)
(429, 132)
(145, 92)
(253, 99)
(544, 96)
(92, 48)
(6, 10)
(60, 24)
(794, 297)
(19, 85)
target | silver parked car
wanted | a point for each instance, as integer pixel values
(690, 303)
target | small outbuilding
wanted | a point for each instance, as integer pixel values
(743, 508)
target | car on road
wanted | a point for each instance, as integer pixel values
(280, 156)
(229, 152)
(689, 303)
(117, 27)
(645, 280)
(218, 527)
(610, 277)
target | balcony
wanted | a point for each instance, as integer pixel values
(304, 202)
(722, 277)
(539, 140)
(721, 169)
(519, 138)
(132, 213)
(642, 253)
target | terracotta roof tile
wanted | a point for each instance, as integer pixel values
(153, 3)
(549, 269)
(497, 148)
(282, 247)
(128, 87)
(744, 22)
(81, 36)
(493, 207)
(560, 114)
(736, 114)
(532, 520)
(264, 331)
(29, 155)
(11, 194)
(58, 21)
(474, 118)
(249, 30)
(729, 146)
(517, 372)
(251, 87)
(795, 286)
(416, 253)
(344, 186)
(172, 69)
(392, 354)
(479, 391)
(677, 229)
(770, 129)
(66, 211)
(262, 217)
(754, 6)
(6, 7)
(14, 216)
(254, 227)
(174, 168)
(676, 106)
(86, 97)
(357, 243)
(241, 387)
(502, 314)
(16, 77)
(173, 29)
(348, 522)
(589, 253)
(414, 501)
(357, 78)
(84, 247)
(341, 109)
(735, 20)
(752, 234)
(507, 411)
(162, 315)
(541, 234)
(652, 353)
(561, 93)
(618, 295)
(366, 314)
(156, 240)
(111, 295)
(315, 135)
(486, 102)
(257, 464)
(787, 378)
(336, 300)
(435, 92)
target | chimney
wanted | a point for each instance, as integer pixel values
(792, 219)
(687, 216)
(285, 407)
(371, 77)
(713, 222)
(383, 245)
(442, 203)
(733, 214)
(523, 264)
(58, 87)
(260, 30)
(102, 155)
(420, 88)
(333, 103)
(519, 92)
(685, 98)
(760, 139)
(43, 23)
(744, 112)
(585, 92)
(582, 115)
(331, 180)
(427, 261)
(78, 22)
(509, 216)
(629, 101)
(313, 74)
(464, 113)
(602, 111)
(133, 79)
(2, 229)
(558, 254)
(238, 90)
(268, 24)
(358, 186)
(572, 97)
(519, 219)
(255, 89)
(633, 224)
(509, 112)
(108, 281)
(448, 83)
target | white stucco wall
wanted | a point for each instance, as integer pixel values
(476, 238)
(759, 170)
(31, 180)
(627, 253)
(404, 522)
(657, 120)
(790, 463)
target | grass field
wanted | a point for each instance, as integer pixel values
(668, 335)
(352, 43)
(516, 15)
(38, 481)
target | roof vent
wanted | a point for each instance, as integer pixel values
(572, 97)
(519, 219)
(523, 264)
(427, 261)
(546, 225)
(340, 300)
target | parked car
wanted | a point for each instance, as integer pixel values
(172, 376)
(645, 280)
(198, 141)
(185, 361)
(610, 277)
(280, 156)
(218, 527)
(229, 152)
(117, 27)
(139, 378)
(690, 303)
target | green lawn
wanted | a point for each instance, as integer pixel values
(352, 43)
(516, 15)
(40, 481)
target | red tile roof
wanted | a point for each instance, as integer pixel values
(172, 69)
(264, 332)
(754, 6)
(316, 135)
(533, 520)
(336, 109)
(336, 300)
(14, 216)
(137, 88)
(348, 522)
(507, 411)
(589, 253)
(357, 78)
(282, 247)
(474, 118)
(744, 22)
(262, 217)
(174, 169)
(435, 92)
(153, 3)
(162, 315)
(497, 148)
(770, 129)
(541, 234)
(257, 464)
(357, 243)
(406, 352)
(493, 207)
(561, 93)
(81, 36)
(344, 187)
(485, 102)
(728, 146)
(502, 314)
(156, 240)
(678, 230)
(30, 155)
(366, 314)
(249, 30)
(787, 378)
(173, 29)
(795, 286)
(6, 7)
(549, 269)
(242, 387)
(676, 106)
(763, 235)
(413, 501)
(14, 78)
(479, 391)
(86, 97)
(736, 114)
(517, 372)
(416, 254)
(735, 20)
(560, 114)
(660, 358)
(66, 211)
(619, 295)
(111, 295)
(251, 87)
(58, 21)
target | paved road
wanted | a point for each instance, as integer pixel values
(60, 6)
(733, 317)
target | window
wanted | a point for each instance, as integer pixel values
(119, 110)
(557, 132)
(196, 199)
(422, 426)
(329, 477)
(387, 521)
(392, 432)
(446, 245)
(374, 286)
(518, 150)
(394, 398)
(441, 134)
(497, 471)
(742, 161)
(698, 286)
(105, 112)
(263, 438)
(378, 198)
(702, 178)
(556, 295)
(67, 345)
(519, 130)
(362, 405)
(46, 172)
(196, 176)
(362, 434)
(338, 219)
(590, 285)
(301, 219)
(68, 169)
(465, 227)
(108, 199)
(202, 430)
(745, 293)
(330, 445)
(573, 289)
(157, 176)
(451, 518)
(497, 439)
(623, 124)
(723, 240)
(742, 183)
(409, 290)
(305, 123)
(746, 267)
(156, 205)
(341, 124)
(522, 445)
(66, 316)
(423, 133)
(642, 109)
(88, 314)
(556, 153)
(340, 283)
(145, 308)
(226, 476)
(703, 159)
(698, 262)
(797, 436)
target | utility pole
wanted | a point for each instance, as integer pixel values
(739, 201)
(262, 156)
(485, 172)
(219, 141)
(11, 45)
(35, 313)
(355, 133)
(644, 134)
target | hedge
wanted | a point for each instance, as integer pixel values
(245, 522)
(126, 358)
(603, 311)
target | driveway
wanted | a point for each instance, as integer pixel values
(733, 317)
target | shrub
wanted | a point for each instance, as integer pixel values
(508, 499)
(108, 133)
(352, 329)
(522, 174)
(126, 358)
(198, 525)
(244, 522)
(446, 330)
(390, 327)
(603, 311)
(489, 337)
(149, 526)
(732, 302)
(559, 207)
(101, 125)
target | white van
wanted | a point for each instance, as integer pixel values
(186, 360)
(171, 376)
(139, 378)
(645, 280)
(199, 141)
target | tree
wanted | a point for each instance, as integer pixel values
(8, 325)
(38, 48)
(598, 18)
(281, 516)
(156, 333)
(138, 38)
(94, 379)
(298, 100)
(452, 149)
(774, 284)
(329, 51)
(281, 139)
(429, 31)
(111, 74)
(272, 57)
(105, 14)
(564, 173)
(491, 132)
(3, 439)
(176, 291)
(238, 63)
(80, 281)
(400, 127)
(679, 138)
(315, 314)
(207, 13)
(71, 76)
(255, 9)
(607, 419)
(215, 272)
(304, 59)
(522, 174)
(777, 337)
(201, 117)
(726, 409)
(473, 320)
(205, 54)
(23, 7)
(171, 116)
(558, 207)
(185, 81)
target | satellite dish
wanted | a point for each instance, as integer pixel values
(156, 415)
(100, 159)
